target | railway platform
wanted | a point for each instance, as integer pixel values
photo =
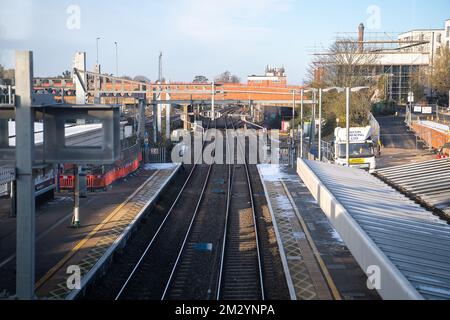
(403, 246)
(108, 220)
(317, 263)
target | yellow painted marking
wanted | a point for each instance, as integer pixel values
(357, 161)
(80, 244)
(323, 267)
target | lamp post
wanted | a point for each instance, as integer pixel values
(293, 125)
(347, 112)
(117, 59)
(302, 92)
(293, 112)
(320, 126)
(314, 116)
(213, 93)
(98, 38)
(302, 126)
(321, 92)
(348, 91)
(347, 125)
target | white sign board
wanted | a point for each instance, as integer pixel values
(410, 97)
(418, 109)
(356, 134)
(427, 110)
(3, 189)
(128, 131)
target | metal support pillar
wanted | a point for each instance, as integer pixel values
(213, 96)
(76, 197)
(4, 133)
(159, 117)
(80, 64)
(301, 123)
(97, 83)
(25, 272)
(185, 116)
(141, 123)
(168, 113)
(320, 126)
(312, 138)
(12, 196)
(292, 129)
(155, 123)
(347, 121)
(159, 113)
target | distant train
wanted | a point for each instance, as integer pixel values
(97, 177)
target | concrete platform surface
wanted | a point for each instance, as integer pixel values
(318, 264)
(106, 219)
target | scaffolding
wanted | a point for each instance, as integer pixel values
(397, 56)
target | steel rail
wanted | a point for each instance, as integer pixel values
(224, 239)
(188, 232)
(260, 272)
(144, 254)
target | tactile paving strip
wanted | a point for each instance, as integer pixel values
(111, 233)
(307, 281)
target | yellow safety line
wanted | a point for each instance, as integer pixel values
(80, 244)
(316, 252)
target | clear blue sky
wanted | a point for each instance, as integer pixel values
(198, 36)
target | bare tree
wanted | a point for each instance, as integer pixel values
(66, 75)
(141, 79)
(7, 75)
(200, 79)
(419, 83)
(227, 77)
(346, 64)
(440, 74)
(435, 78)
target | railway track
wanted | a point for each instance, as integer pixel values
(221, 260)
(207, 246)
(193, 274)
(148, 276)
(241, 272)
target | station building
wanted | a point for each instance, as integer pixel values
(398, 57)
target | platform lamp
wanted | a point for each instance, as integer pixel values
(97, 39)
(302, 92)
(321, 92)
(348, 91)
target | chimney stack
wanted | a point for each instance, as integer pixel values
(361, 37)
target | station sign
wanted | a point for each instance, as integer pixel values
(56, 150)
(128, 131)
(410, 97)
(417, 109)
(356, 134)
(427, 110)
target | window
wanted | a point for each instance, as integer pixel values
(357, 150)
(439, 38)
(448, 32)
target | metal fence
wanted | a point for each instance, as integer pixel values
(420, 124)
(434, 113)
(376, 131)
(157, 155)
(6, 95)
(431, 137)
